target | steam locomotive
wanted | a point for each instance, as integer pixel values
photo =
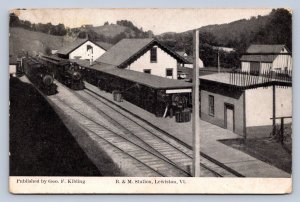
(39, 75)
(65, 71)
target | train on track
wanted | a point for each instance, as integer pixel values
(158, 95)
(66, 72)
(39, 75)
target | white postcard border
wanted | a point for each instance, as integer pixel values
(147, 185)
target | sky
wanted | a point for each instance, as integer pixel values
(157, 20)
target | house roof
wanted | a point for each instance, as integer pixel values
(242, 80)
(65, 50)
(188, 57)
(149, 80)
(54, 59)
(270, 48)
(258, 58)
(103, 45)
(181, 53)
(128, 50)
(263, 53)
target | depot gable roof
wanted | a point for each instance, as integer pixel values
(128, 50)
(149, 80)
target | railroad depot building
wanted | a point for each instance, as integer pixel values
(83, 49)
(150, 92)
(143, 55)
(261, 58)
(244, 104)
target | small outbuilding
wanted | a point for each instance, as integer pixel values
(190, 60)
(245, 104)
(261, 58)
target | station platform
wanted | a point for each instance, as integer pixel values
(210, 136)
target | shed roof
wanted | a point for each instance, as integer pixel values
(127, 50)
(269, 48)
(149, 80)
(181, 53)
(242, 80)
(65, 50)
(258, 58)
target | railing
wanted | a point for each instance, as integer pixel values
(249, 78)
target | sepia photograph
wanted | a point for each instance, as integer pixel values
(118, 100)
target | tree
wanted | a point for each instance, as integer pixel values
(48, 50)
(61, 30)
(82, 35)
(14, 20)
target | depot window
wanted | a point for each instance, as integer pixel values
(169, 73)
(153, 54)
(147, 71)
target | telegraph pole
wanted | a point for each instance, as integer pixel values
(219, 68)
(196, 118)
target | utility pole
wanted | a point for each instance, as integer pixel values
(274, 108)
(219, 68)
(196, 118)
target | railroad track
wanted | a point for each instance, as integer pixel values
(156, 164)
(177, 152)
(154, 142)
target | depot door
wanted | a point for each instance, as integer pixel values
(229, 117)
(254, 68)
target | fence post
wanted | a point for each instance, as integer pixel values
(281, 128)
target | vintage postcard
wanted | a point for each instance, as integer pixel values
(150, 101)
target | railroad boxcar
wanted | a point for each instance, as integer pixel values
(158, 95)
(66, 72)
(39, 75)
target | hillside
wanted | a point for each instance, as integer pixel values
(112, 33)
(21, 39)
(225, 34)
(275, 28)
(111, 30)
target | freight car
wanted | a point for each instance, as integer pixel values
(39, 75)
(66, 72)
(160, 96)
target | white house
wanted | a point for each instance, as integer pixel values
(143, 55)
(262, 58)
(190, 60)
(83, 49)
